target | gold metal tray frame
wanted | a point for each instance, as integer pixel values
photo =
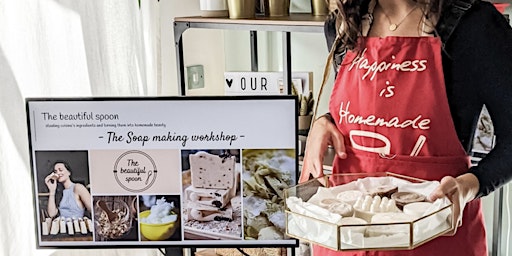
(307, 189)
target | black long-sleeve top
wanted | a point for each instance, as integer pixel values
(477, 62)
(477, 72)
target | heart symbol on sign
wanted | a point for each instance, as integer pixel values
(229, 82)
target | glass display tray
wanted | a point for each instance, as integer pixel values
(383, 236)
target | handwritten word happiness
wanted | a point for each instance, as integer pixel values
(362, 63)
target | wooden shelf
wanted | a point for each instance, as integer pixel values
(298, 22)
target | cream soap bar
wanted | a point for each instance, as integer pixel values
(208, 213)
(212, 171)
(55, 228)
(45, 230)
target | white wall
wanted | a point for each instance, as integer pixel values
(200, 46)
(308, 52)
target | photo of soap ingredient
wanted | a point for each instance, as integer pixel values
(115, 218)
(266, 173)
(159, 217)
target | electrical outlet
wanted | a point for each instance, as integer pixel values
(195, 77)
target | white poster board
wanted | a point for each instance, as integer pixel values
(162, 172)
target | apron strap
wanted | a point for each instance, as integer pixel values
(450, 18)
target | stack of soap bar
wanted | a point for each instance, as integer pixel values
(214, 184)
(212, 196)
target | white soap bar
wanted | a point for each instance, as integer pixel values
(367, 202)
(326, 202)
(48, 222)
(367, 207)
(349, 196)
(417, 209)
(208, 196)
(69, 223)
(55, 226)
(63, 226)
(44, 228)
(83, 227)
(352, 235)
(76, 225)
(212, 171)
(353, 221)
(88, 222)
(377, 204)
(341, 208)
(389, 218)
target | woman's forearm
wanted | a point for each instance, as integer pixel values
(52, 208)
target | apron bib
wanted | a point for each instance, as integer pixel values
(389, 101)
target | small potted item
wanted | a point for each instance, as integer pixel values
(306, 103)
(277, 8)
(320, 7)
(213, 8)
(242, 9)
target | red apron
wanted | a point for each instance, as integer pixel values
(390, 103)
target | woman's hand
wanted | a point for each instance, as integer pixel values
(459, 191)
(51, 182)
(322, 134)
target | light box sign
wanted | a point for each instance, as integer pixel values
(162, 172)
(265, 83)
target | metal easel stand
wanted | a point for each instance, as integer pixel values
(177, 251)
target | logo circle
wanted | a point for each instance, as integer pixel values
(135, 171)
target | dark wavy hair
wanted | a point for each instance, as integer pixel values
(66, 164)
(349, 16)
(60, 188)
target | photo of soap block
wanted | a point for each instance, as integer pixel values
(211, 182)
(212, 171)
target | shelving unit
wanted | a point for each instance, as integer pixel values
(293, 23)
(287, 24)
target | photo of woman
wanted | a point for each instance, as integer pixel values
(74, 198)
(65, 202)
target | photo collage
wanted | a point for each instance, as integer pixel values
(157, 196)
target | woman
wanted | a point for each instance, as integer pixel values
(75, 197)
(406, 102)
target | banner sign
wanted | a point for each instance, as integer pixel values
(162, 172)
